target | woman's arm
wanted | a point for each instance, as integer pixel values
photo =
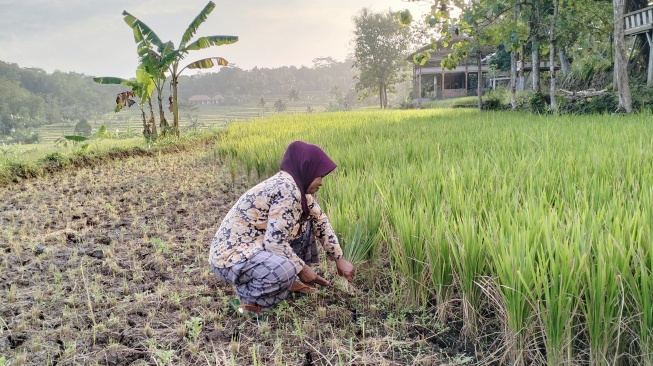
(323, 230)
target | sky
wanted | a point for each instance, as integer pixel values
(91, 38)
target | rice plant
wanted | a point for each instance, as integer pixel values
(555, 210)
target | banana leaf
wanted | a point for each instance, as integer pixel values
(199, 19)
(208, 63)
(208, 41)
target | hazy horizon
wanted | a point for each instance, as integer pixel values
(91, 38)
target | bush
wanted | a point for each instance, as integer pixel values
(7, 125)
(492, 104)
(26, 137)
(598, 104)
(537, 103)
(642, 98)
(19, 171)
(55, 159)
(83, 128)
(497, 100)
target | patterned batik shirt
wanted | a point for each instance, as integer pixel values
(267, 217)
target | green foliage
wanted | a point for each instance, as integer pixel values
(157, 58)
(497, 99)
(405, 17)
(379, 46)
(46, 98)
(501, 59)
(492, 103)
(83, 128)
(26, 136)
(164, 357)
(599, 104)
(588, 71)
(56, 158)
(24, 170)
(525, 203)
(642, 98)
(537, 103)
(100, 134)
(7, 125)
(280, 106)
(208, 63)
(293, 94)
(193, 328)
(159, 245)
(465, 102)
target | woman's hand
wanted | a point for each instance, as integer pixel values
(345, 269)
(308, 276)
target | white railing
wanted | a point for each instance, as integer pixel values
(638, 21)
(544, 65)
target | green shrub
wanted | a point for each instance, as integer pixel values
(642, 97)
(538, 103)
(83, 128)
(599, 104)
(55, 158)
(26, 136)
(19, 171)
(496, 100)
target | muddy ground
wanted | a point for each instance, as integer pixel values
(108, 265)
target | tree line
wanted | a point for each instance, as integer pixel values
(237, 85)
(32, 97)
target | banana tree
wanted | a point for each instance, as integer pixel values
(141, 88)
(150, 61)
(167, 58)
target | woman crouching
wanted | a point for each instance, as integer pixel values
(252, 250)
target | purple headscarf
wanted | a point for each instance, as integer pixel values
(305, 162)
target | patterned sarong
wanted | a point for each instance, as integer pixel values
(305, 246)
(262, 280)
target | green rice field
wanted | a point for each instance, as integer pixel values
(529, 235)
(542, 222)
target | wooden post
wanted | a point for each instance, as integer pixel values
(435, 85)
(466, 78)
(649, 78)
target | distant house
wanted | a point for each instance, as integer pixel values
(432, 81)
(200, 99)
(205, 99)
(218, 99)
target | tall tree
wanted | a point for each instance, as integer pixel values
(280, 106)
(263, 105)
(379, 50)
(620, 61)
(293, 96)
(552, 55)
(167, 58)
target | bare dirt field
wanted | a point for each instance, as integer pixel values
(107, 265)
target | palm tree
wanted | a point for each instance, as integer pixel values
(280, 106)
(263, 105)
(166, 58)
(293, 96)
